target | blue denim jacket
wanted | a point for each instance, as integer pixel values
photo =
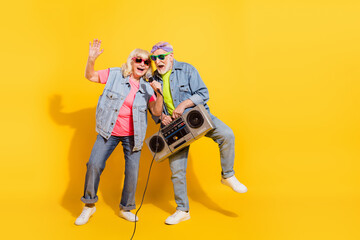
(185, 83)
(116, 90)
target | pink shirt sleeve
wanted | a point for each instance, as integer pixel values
(152, 98)
(103, 75)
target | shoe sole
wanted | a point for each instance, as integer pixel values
(181, 220)
(83, 223)
(122, 216)
(128, 219)
(226, 184)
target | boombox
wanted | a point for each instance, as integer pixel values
(180, 133)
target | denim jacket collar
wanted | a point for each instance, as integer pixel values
(177, 65)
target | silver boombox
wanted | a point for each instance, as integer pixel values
(180, 133)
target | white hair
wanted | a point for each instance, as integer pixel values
(126, 68)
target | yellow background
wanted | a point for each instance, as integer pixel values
(284, 75)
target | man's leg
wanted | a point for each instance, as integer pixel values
(178, 165)
(224, 137)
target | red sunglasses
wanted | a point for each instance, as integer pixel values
(140, 60)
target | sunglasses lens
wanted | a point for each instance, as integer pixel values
(138, 60)
(147, 62)
(153, 57)
(161, 56)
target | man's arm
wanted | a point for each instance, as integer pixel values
(200, 94)
(178, 111)
(94, 53)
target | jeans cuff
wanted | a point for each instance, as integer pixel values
(184, 209)
(94, 200)
(228, 174)
(128, 208)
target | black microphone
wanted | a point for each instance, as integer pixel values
(151, 79)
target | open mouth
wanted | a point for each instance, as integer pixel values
(140, 69)
(160, 66)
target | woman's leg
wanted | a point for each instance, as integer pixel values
(100, 153)
(132, 159)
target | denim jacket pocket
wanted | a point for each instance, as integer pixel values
(112, 95)
(184, 88)
(111, 98)
(185, 92)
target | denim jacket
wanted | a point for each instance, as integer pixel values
(185, 83)
(116, 90)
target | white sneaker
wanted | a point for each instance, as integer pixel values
(128, 215)
(234, 184)
(85, 215)
(177, 217)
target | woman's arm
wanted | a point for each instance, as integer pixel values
(94, 53)
(157, 105)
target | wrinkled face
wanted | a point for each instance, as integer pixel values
(165, 65)
(139, 66)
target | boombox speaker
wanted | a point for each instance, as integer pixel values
(180, 133)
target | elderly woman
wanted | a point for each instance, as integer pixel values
(121, 116)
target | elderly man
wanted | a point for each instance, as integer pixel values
(183, 88)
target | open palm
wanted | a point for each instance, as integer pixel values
(94, 49)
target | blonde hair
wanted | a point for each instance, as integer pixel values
(126, 68)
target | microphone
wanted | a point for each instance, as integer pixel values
(151, 79)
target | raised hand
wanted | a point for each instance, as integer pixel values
(94, 49)
(94, 52)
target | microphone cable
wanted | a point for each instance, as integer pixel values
(148, 177)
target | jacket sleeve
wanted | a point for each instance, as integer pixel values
(155, 118)
(200, 93)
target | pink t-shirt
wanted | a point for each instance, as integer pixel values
(124, 124)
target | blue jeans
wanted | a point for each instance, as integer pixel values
(100, 153)
(224, 137)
